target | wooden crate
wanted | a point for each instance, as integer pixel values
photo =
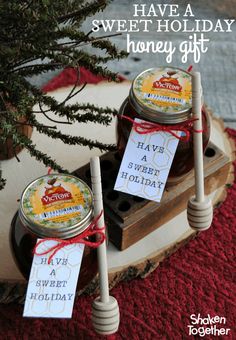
(130, 218)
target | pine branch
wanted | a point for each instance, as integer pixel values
(72, 140)
(37, 154)
(69, 111)
(48, 33)
(91, 113)
(109, 47)
(86, 10)
(2, 183)
(94, 109)
(35, 69)
(51, 119)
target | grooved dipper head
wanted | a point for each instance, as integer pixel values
(199, 214)
(105, 316)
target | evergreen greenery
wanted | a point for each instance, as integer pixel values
(46, 35)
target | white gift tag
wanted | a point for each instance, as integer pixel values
(146, 163)
(51, 287)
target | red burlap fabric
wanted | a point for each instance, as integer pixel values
(198, 278)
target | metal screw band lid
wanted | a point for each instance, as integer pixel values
(56, 205)
(162, 95)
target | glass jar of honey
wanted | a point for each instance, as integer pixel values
(56, 205)
(163, 95)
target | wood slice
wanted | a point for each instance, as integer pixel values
(137, 260)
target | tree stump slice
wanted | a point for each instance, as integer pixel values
(141, 258)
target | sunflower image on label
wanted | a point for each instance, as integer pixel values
(146, 163)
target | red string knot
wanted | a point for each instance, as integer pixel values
(145, 127)
(83, 238)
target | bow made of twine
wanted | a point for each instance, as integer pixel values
(81, 238)
(145, 127)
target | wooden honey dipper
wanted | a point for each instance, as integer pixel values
(199, 209)
(105, 309)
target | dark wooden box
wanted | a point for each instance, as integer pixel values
(130, 218)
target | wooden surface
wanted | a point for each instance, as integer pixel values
(137, 260)
(130, 218)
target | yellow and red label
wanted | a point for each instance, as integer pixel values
(55, 194)
(57, 201)
(164, 89)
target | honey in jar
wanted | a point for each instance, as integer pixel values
(55, 205)
(164, 96)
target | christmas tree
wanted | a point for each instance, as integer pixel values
(41, 36)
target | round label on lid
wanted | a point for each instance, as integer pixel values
(164, 89)
(57, 202)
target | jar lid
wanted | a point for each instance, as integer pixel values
(56, 205)
(162, 95)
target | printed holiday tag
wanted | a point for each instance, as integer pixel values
(51, 287)
(146, 164)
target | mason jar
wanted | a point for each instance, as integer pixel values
(163, 95)
(53, 206)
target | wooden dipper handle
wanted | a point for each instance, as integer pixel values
(105, 309)
(199, 209)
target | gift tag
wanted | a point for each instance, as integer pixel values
(52, 287)
(146, 163)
